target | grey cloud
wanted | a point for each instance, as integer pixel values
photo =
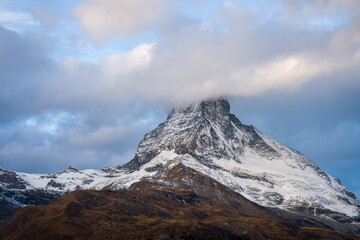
(53, 115)
(21, 58)
(47, 17)
(91, 139)
(242, 61)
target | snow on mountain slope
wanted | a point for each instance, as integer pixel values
(211, 140)
(208, 138)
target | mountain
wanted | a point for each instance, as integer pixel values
(176, 203)
(207, 138)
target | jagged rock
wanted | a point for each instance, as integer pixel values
(74, 169)
(10, 180)
(54, 184)
(155, 168)
(274, 197)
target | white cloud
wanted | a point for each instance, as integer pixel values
(17, 21)
(112, 18)
(17, 18)
(136, 59)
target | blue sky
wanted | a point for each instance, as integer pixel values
(84, 80)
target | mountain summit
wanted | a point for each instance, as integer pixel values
(206, 137)
(206, 131)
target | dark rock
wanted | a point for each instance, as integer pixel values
(274, 197)
(11, 180)
(155, 168)
(54, 184)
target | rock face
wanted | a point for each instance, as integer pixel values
(176, 203)
(206, 131)
(15, 193)
(206, 137)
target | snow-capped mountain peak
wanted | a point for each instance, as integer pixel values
(209, 139)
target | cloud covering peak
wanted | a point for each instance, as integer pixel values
(236, 51)
(89, 78)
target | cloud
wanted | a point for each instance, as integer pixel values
(118, 64)
(45, 16)
(9, 17)
(75, 84)
(53, 140)
(104, 19)
(249, 58)
(21, 59)
(17, 20)
(242, 54)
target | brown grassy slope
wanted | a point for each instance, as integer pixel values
(177, 204)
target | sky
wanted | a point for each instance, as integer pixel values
(82, 81)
